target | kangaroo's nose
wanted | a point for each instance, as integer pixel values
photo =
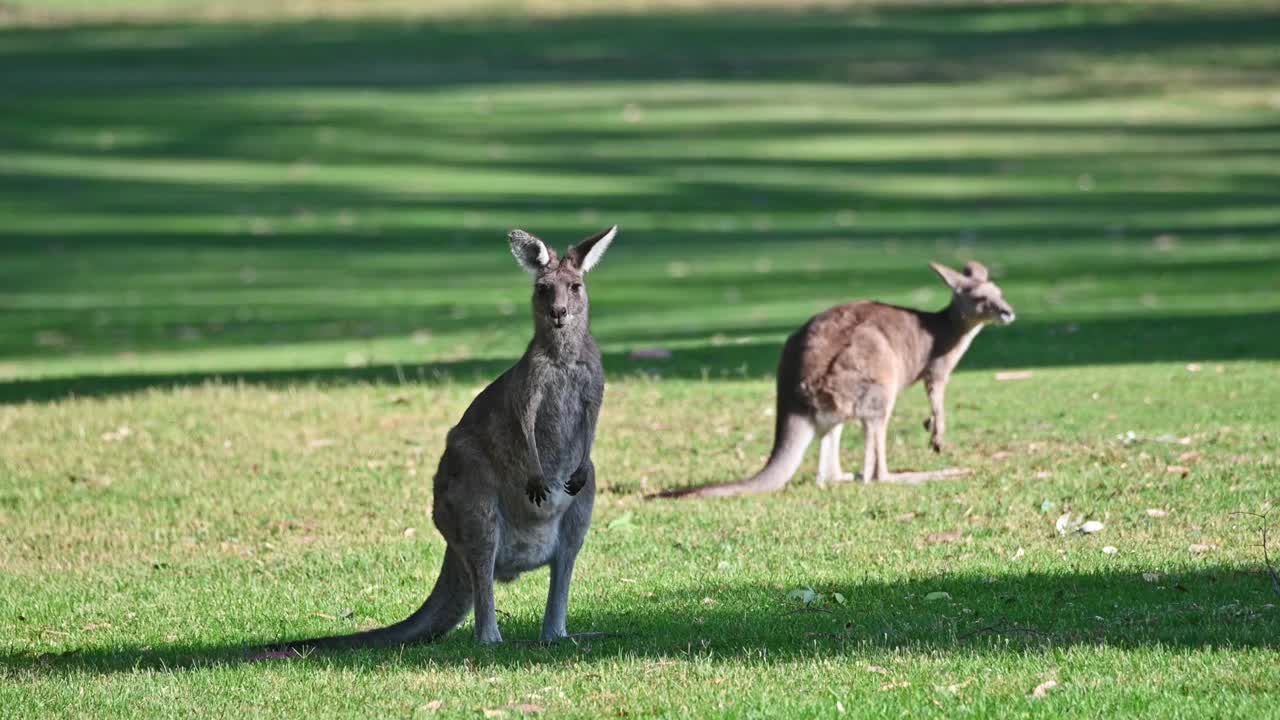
(558, 312)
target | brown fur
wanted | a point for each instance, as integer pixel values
(850, 363)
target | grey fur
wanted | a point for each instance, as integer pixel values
(515, 486)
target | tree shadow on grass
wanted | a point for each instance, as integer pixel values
(1208, 608)
(1025, 344)
(911, 42)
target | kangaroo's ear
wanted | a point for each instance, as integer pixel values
(588, 252)
(953, 279)
(532, 254)
(976, 271)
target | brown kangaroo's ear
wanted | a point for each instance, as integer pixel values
(976, 270)
(532, 254)
(587, 253)
(953, 279)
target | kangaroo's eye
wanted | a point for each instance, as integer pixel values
(576, 287)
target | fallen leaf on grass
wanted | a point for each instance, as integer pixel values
(1178, 470)
(433, 706)
(1043, 689)
(1151, 576)
(877, 670)
(117, 435)
(938, 595)
(806, 595)
(1199, 548)
(1194, 367)
(1189, 456)
(944, 537)
(410, 532)
(1110, 550)
(895, 685)
(1014, 375)
(621, 522)
(1065, 524)
(1156, 512)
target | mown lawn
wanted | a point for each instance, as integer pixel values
(251, 272)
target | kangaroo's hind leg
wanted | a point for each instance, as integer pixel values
(873, 404)
(829, 458)
(469, 524)
(573, 529)
(882, 437)
(868, 450)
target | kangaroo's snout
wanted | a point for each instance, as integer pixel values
(559, 314)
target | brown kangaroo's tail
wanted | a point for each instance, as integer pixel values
(446, 606)
(793, 434)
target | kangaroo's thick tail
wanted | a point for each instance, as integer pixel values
(446, 606)
(793, 433)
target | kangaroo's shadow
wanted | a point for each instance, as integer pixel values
(1211, 607)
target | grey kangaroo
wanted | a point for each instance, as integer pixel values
(851, 362)
(515, 486)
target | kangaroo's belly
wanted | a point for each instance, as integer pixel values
(525, 547)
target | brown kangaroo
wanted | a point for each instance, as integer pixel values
(851, 362)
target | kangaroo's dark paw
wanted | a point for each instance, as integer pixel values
(928, 424)
(937, 445)
(574, 486)
(536, 489)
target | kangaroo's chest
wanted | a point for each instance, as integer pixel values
(560, 430)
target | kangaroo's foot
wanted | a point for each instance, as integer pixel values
(833, 478)
(567, 637)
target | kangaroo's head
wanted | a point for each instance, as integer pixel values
(973, 296)
(559, 289)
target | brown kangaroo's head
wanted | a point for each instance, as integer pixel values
(974, 296)
(559, 291)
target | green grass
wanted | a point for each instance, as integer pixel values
(251, 273)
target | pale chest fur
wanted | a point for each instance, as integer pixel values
(940, 366)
